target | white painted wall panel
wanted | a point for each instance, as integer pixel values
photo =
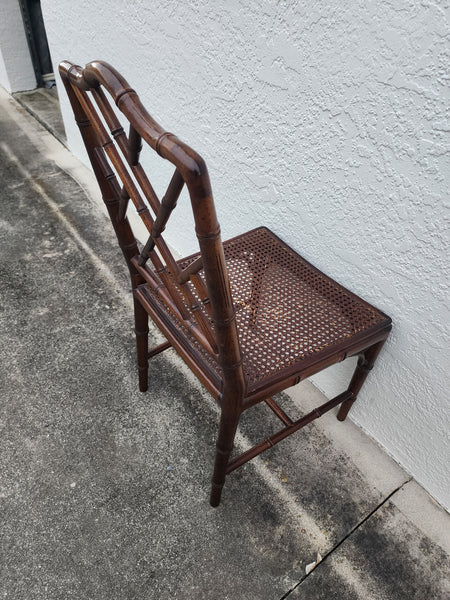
(4, 81)
(16, 68)
(325, 121)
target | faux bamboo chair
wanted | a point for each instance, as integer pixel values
(250, 316)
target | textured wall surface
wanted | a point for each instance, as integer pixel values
(16, 69)
(326, 121)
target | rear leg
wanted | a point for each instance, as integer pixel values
(141, 330)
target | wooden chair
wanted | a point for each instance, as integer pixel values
(249, 316)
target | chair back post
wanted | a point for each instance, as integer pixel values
(71, 75)
(193, 170)
(224, 316)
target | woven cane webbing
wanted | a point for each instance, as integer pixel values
(286, 309)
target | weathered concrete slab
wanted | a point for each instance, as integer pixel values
(104, 491)
(43, 104)
(387, 558)
(425, 513)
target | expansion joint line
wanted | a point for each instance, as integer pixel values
(357, 526)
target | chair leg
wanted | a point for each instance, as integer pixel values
(363, 368)
(141, 330)
(224, 446)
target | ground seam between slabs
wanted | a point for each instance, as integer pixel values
(366, 518)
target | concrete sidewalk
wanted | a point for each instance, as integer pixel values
(104, 490)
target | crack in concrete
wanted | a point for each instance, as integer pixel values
(355, 528)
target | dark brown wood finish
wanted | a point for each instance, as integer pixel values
(250, 316)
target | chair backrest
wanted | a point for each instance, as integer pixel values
(181, 289)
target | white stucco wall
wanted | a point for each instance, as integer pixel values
(326, 122)
(16, 68)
